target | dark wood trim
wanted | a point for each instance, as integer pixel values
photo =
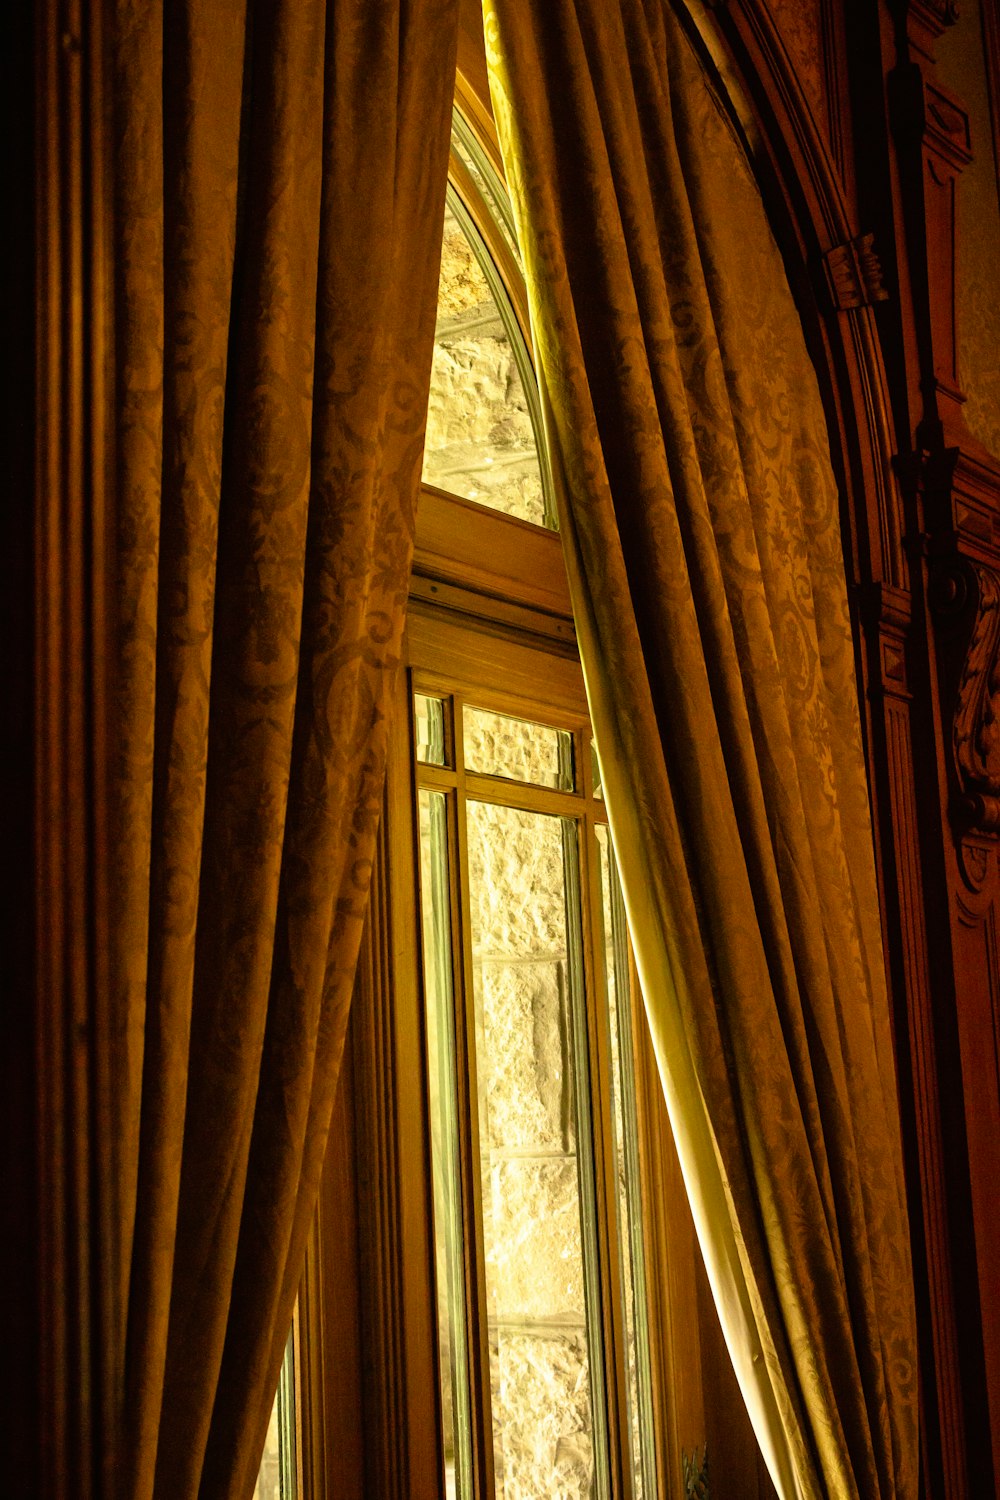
(499, 557)
(80, 1319)
(398, 1314)
(19, 1146)
(329, 1337)
(990, 15)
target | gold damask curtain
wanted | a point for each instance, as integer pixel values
(280, 178)
(700, 520)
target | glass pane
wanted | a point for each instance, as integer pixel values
(435, 899)
(537, 1200)
(277, 1476)
(627, 1157)
(429, 721)
(497, 745)
(480, 439)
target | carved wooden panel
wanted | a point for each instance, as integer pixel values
(976, 725)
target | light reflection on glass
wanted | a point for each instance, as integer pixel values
(435, 901)
(480, 441)
(429, 727)
(629, 1215)
(538, 1236)
(277, 1478)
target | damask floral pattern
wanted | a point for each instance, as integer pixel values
(280, 190)
(700, 518)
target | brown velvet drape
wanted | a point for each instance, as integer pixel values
(281, 171)
(700, 521)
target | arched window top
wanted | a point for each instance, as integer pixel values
(483, 423)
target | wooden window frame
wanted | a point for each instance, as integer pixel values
(467, 661)
(488, 591)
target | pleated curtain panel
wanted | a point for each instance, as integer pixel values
(281, 174)
(280, 179)
(700, 524)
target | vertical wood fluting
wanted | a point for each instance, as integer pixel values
(79, 1345)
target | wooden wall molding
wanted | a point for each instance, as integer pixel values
(979, 866)
(400, 1378)
(991, 49)
(382, 1250)
(79, 1275)
(931, 128)
(927, 21)
(901, 865)
(956, 528)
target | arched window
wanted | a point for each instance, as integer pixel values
(483, 421)
(498, 1079)
(538, 1245)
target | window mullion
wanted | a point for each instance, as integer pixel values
(609, 1312)
(627, 987)
(471, 1159)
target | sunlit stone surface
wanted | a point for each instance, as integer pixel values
(537, 1265)
(497, 745)
(515, 866)
(480, 441)
(530, 1178)
(529, 1086)
(545, 1450)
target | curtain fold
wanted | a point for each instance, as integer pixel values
(281, 172)
(700, 523)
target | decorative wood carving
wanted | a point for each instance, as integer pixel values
(977, 861)
(965, 595)
(957, 588)
(937, 13)
(976, 735)
(854, 274)
(927, 20)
